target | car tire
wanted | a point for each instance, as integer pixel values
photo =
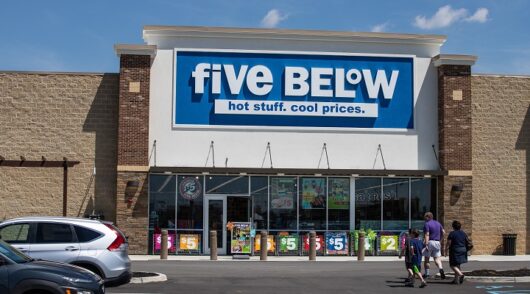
(91, 268)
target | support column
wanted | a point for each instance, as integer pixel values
(133, 144)
(455, 144)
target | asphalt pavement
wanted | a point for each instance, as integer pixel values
(304, 277)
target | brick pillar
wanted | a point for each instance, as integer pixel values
(455, 147)
(133, 144)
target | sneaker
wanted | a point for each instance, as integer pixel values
(409, 284)
(426, 276)
(442, 274)
(423, 285)
(461, 279)
(408, 280)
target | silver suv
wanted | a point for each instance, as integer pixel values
(95, 245)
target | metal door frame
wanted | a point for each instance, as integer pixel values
(222, 250)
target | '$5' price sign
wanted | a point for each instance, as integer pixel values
(337, 243)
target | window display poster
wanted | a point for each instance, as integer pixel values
(189, 242)
(271, 244)
(337, 243)
(319, 243)
(339, 193)
(313, 193)
(389, 242)
(283, 191)
(241, 238)
(288, 243)
(170, 242)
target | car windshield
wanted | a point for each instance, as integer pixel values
(12, 253)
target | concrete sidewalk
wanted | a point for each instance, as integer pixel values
(321, 258)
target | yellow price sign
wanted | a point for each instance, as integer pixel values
(271, 244)
(189, 242)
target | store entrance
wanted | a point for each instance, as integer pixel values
(218, 211)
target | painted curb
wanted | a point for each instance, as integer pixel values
(497, 279)
(155, 279)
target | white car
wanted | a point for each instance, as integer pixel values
(95, 245)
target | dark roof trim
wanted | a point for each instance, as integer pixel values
(295, 171)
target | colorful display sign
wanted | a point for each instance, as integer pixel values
(288, 244)
(271, 244)
(319, 243)
(337, 243)
(283, 193)
(339, 193)
(189, 242)
(241, 240)
(170, 242)
(389, 242)
(293, 89)
(313, 193)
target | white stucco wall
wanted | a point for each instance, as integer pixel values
(300, 147)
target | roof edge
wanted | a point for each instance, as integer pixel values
(454, 59)
(135, 49)
(200, 31)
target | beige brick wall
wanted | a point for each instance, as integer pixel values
(501, 138)
(58, 115)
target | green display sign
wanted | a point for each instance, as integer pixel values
(389, 243)
(339, 193)
(288, 243)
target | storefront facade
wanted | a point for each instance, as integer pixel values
(290, 131)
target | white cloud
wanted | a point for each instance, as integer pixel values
(273, 18)
(481, 15)
(379, 27)
(444, 17)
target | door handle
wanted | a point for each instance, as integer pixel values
(71, 248)
(22, 249)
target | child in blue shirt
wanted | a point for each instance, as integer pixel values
(415, 248)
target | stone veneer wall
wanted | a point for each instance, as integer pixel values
(501, 161)
(58, 115)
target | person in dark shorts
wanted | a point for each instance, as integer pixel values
(415, 249)
(457, 247)
(406, 252)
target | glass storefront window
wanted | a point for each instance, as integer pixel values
(259, 192)
(312, 203)
(422, 200)
(368, 203)
(162, 201)
(395, 204)
(235, 185)
(283, 215)
(190, 202)
(338, 203)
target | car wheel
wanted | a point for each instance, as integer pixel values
(91, 268)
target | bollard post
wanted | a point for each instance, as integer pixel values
(163, 249)
(360, 245)
(312, 245)
(263, 246)
(213, 245)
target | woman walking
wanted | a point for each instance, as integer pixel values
(457, 245)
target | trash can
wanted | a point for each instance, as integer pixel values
(508, 244)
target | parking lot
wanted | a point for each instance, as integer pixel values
(304, 277)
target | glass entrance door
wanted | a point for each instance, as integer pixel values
(215, 220)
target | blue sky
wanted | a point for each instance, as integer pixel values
(60, 35)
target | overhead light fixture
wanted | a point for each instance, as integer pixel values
(391, 175)
(355, 175)
(243, 174)
(205, 173)
(280, 174)
(318, 175)
(427, 176)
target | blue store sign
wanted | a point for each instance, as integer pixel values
(296, 90)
